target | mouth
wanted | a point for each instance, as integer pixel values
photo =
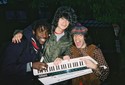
(63, 26)
(78, 43)
(42, 39)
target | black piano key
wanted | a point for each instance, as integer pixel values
(50, 68)
(65, 66)
(69, 65)
(56, 67)
(61, 66)
(80, 63)
(75, 64)
(53, 68)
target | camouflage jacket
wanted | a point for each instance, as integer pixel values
(54, 49)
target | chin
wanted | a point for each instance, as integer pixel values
(41, 43)
(78, 46)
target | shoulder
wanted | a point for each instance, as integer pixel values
(92, 49)
(95, 49)
(68, 36)
(92, 46)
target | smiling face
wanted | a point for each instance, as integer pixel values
(42, 34)
(63, 23)
(79, 40)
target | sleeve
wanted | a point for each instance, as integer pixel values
(28, 67)
(11, 65)
(102, 70)
(17, 31)
(27, 28)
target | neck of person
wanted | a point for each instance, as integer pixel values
(58, 30)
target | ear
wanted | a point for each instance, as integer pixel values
(33, 32)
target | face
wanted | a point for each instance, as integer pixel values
(79, 40)
(41, 36)
(63, 23)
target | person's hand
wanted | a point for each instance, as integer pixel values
(17, 37)
(57, 61)
(89, 63)
(66, 57)
(39, 66)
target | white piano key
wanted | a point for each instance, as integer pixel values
(65, 65)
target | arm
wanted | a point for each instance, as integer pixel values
(18, 34)
(10, 64)
(14, 64)
(102, 69)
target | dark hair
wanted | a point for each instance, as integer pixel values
(42, 25)
(64, 15)
(88, 39)
(66, 12)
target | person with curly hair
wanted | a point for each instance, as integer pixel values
(60, 39)
(57, 46)
(21, 58)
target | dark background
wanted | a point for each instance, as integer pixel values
(97, 16)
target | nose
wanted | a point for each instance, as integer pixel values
(44, 35)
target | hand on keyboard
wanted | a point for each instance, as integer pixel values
(89, 63)
(66, 57)
(39, 66)
(57, 61)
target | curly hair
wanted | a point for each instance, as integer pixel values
(66, 12)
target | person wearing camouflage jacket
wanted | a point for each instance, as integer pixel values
(60, 39)
(55, 49)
